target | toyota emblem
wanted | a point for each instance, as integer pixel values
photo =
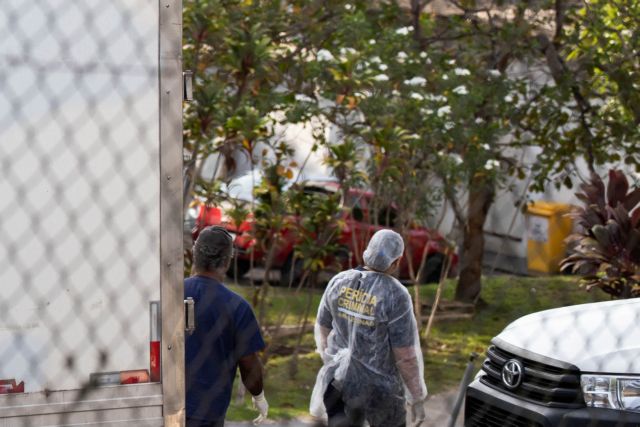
(512, 373)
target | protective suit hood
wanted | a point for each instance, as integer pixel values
(384, 248)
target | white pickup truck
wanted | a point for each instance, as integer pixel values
(571, 366)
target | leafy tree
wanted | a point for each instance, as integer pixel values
(595, 77)
(436, 102)
(316, 223)
(245, 78)
(426, 107)
(579, 103)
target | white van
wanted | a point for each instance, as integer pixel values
(571, 366)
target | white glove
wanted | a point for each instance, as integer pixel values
(262, 406)
(418, 413)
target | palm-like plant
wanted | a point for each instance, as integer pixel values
(606, 251)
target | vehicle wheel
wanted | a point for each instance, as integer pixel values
(243, 267)
(289, 277)
(433, 268)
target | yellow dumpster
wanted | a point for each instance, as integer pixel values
(547, 227)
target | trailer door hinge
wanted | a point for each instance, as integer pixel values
(187, 86)
(189, 315)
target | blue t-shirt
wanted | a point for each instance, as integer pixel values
(226, 330)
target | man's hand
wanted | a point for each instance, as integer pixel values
(260, 403)
(418, 413)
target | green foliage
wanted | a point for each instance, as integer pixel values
(210, 192)
(247, 68)
(607, 250)
(316, 224)
(608, 42)
(593, 101)
(435, 106)
(343, 159)
(270, 211)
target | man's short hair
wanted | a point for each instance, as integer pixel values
(213, 249)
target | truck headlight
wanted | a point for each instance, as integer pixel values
(604, 391)
(629, 393)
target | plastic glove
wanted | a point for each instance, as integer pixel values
(262, 406)
(418, 413)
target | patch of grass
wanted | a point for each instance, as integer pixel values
(280, 300)
(288, 394)
(504, 299)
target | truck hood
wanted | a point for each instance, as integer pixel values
(600, 337)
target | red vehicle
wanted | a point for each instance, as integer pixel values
(359, 220)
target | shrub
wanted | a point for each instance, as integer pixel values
(606, 250)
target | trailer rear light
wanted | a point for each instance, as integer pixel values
(101, 379)
(154, 344)
(10, 386)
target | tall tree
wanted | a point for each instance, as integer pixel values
(452, 96)
(248, 59)
(595, 82)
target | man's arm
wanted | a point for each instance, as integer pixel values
(251, 373)
(324, 320)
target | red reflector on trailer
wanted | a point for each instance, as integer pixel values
(134, 377)
(155, 332)
(100, 379)
(154, 365)
(10, 386)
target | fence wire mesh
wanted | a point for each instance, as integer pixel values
(573, 366)
(79, 212)
(80, 258)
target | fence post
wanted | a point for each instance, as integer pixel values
(466, 379)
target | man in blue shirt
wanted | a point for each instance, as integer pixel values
(227, 336)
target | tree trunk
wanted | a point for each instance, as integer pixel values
(481, 195)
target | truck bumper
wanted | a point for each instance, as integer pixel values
(488, 407)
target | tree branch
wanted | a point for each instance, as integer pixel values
(560, 15)
(455, 205)
(560, 74)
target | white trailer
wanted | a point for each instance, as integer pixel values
(91, 311)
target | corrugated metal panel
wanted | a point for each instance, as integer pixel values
(134, 405)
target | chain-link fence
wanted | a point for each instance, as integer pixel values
(83, 259)
(574, 365)
(80, 212)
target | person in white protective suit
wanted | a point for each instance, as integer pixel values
(368, 339)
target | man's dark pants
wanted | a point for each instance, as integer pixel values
(341, 415)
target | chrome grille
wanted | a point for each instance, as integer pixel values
(542, 383)
(481, 414)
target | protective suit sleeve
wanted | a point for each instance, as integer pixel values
(325, 318)
(405, 341)
(402, 324)
(322, 329)
(410, 366)
(324, 321)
